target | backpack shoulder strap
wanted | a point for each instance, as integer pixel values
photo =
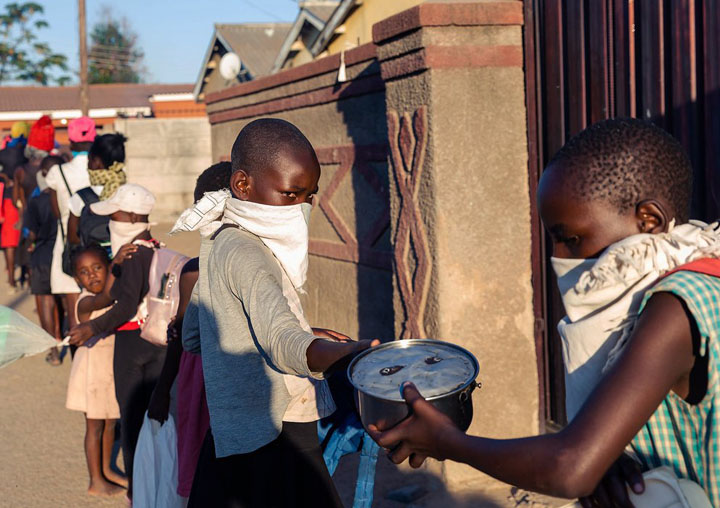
(88, 195)
(62, 173)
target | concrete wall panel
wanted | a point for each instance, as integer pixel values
(166, 156)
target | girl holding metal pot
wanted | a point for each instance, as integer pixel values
(618, 187)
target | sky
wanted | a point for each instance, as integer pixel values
(174, 34)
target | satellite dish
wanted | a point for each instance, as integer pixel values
(230, 65)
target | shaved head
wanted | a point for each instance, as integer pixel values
(261, 142)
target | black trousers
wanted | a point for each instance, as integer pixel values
(136, 366)
(288, 473)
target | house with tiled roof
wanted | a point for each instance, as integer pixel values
(257, 45)
(108, 102)
(308, 25)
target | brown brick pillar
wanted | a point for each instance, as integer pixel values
(460, 206)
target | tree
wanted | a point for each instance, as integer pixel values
(114, 54)
(22, 56)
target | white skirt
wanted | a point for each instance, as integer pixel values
(60, 282)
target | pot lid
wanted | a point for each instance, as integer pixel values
(436, 368)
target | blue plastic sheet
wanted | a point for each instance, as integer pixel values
(342, 437)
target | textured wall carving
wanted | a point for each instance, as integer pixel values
(413, 263)
(354, 249)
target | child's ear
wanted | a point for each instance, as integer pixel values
(240, 184)
(651, 217)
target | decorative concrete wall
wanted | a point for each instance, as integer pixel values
(460, 216)
(166, 155)
(350, 275)
(424, 157)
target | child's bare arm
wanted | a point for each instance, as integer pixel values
(82, 313)
(571, 463)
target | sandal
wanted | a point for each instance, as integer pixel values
(53, 357)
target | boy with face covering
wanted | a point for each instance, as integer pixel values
(262, 363)
(136, 363)
(641, 341)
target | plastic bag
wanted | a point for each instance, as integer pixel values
(663, 489)
(155, 469)
(20, 337)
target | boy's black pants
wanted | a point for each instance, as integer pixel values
(288, 473)
(136, 366)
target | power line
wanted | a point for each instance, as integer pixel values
(263, 10)
(111, 47)
(112, 61)
(94, 54)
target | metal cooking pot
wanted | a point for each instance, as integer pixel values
(385, 413)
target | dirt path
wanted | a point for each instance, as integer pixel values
(42, 462)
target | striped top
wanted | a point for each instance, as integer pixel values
(679, 435)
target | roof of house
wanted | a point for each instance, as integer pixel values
(321, 9)
(313, 12)
(336, 18)
(117, 95)
(257, 45)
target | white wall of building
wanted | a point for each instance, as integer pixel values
(166, 155)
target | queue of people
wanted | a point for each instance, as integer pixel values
(241, 373)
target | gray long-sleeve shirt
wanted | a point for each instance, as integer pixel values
(249, 338)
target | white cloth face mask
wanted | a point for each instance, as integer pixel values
(569, 270)
(124, 232)
(283, 229)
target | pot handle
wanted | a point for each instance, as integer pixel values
(465, 394)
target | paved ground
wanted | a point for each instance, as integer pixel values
(42, 462)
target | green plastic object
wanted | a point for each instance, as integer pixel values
(20, 337)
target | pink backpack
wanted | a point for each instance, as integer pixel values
(163, 298)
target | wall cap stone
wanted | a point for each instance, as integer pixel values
(451, 57)
(324, 65)
(448, 14)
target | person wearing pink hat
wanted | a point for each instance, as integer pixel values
(64, 180)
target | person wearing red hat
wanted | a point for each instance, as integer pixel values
(64, 180)
(12, 158)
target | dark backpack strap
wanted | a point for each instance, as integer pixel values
(62, 173)
(88, 196)
(223, 228)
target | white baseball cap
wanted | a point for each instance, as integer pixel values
(130, 197)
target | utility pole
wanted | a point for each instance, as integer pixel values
(84, 95)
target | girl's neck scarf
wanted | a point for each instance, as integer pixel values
(110, 178)
(205, 215)
(602, 298)
(283, 229)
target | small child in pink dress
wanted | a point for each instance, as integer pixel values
(91, 387)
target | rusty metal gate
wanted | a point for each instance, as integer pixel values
(587, 60)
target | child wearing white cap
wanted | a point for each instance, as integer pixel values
(137, 363)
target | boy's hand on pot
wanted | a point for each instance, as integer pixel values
(80, 334)
(327, 356)
(425, 433)
(612, 488)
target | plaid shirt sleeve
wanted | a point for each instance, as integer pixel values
(679, 435)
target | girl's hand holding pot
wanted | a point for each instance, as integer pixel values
(425, 433)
